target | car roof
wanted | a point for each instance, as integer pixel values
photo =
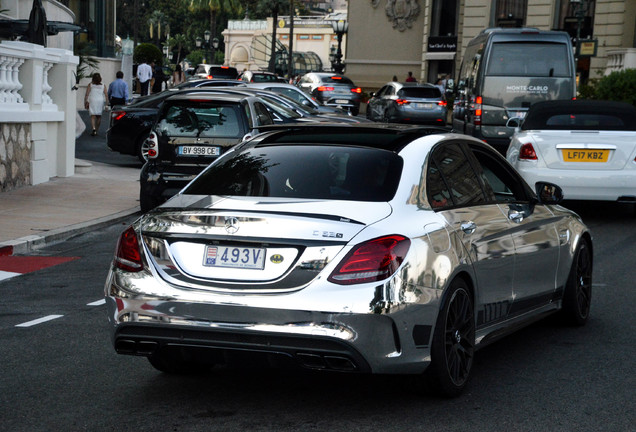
(540, 112)
(392, 137)
(199, 94)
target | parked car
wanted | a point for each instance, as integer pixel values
(209, 71)
(299, 96)
(193, 129)
(408, 103)
(587, 146)
(130, 124)
(353, 248)
(332, 89)
(260, 76)
(287, 110)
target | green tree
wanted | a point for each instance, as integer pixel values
(617, 86)
(213, 8)
(177, 42)
(147, 52)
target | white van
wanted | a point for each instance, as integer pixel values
(503, 72)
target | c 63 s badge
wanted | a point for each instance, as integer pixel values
(276, 258)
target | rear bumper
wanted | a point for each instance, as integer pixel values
(616, 185)
(227, 325)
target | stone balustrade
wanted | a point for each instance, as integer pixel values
(37, 114)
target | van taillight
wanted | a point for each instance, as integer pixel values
(127, 255)
(371, 261)
(526, 152)
(477, 107)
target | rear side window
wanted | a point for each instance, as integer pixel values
(420, 92)
(300, 171)
(202, 119)
(336, 79)
(529, 59)
(451, 180)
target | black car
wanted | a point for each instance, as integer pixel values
(191, 131)
(332, 89)
(130, 124)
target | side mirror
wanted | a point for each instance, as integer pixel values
(514, 122)
(548, 193)
(372, 94)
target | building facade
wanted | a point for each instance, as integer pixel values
(428, 37)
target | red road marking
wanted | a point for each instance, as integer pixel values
(26, 264)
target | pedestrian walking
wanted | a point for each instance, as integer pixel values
(410, 77)
(178, 76)
(157, 78)
(95, 100)
(118, 90)
(144, 75)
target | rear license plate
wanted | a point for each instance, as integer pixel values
(198, 151)
(582, 155)
(234, 257)
(342, 101)
(423, 105)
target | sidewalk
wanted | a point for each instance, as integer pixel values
(98, 194)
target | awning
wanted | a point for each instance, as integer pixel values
(14, 28)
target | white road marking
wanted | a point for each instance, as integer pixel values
(39, 320)
(6, 275)
(97, 303)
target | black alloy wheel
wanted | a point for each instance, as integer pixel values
(577, 297)
(453, 346)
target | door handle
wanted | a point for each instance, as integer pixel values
(468, 227)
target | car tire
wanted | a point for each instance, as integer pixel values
(142, 149)
(174, 361)
(453, 347)
(577, 296)
(147, 202)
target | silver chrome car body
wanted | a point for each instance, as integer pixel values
(291, 309)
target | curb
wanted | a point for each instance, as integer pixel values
(27, 244)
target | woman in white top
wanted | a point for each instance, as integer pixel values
(95, 100)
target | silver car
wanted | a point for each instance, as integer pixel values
(408, 103)
(357, 248)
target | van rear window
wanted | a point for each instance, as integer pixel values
(529, 60)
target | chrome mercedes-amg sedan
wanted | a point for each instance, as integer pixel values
(360, 248)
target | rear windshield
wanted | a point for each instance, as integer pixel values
(314, 172)
(264, 78)
(203, 119)
(580, 122)
(336, 79)
(420, 92)
(529, 59)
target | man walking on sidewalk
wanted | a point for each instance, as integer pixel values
(118, 90)
(144, 75)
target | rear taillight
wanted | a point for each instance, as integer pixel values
(402, 102)
(128, 256)
(153, 145)
(357, 90)
(527, 152)
(324, 88)
(442, 103)
(371, 261)
(116, 115)
(477, 109)
(210, 77)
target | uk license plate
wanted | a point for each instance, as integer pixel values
(199, 151)
(584, 155)
(424, 105)
(342, 101)
(234, 257)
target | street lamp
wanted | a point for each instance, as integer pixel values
(340, 27)
(205, 43)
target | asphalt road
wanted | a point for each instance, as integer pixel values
(63, 374)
